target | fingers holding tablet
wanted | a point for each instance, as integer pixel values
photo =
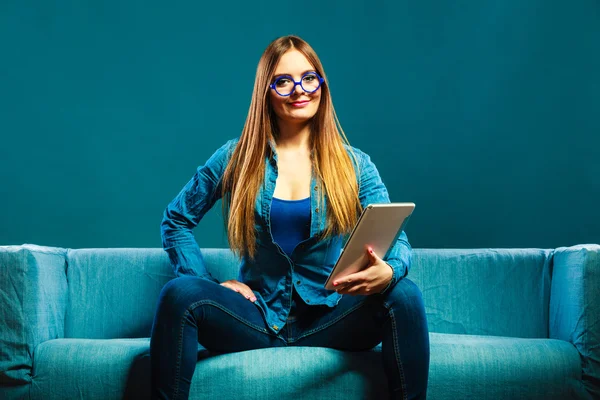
(373, 279)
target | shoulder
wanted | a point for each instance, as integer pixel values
(224, 152)
(219, 159)
(359, 158)
(229, 146)
(364, 167)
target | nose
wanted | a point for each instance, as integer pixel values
(298, 90)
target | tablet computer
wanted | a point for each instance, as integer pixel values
(378, 227)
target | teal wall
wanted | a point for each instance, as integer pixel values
(484, 113)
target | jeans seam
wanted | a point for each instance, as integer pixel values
(220, 307)
(179, 354)
(397, 351)
(187, 313)
(328, 324)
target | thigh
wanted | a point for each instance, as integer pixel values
(225, 320)
(356, 323)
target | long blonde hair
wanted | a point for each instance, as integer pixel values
(332, 166)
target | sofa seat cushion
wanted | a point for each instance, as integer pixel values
(84, 368)
(462, 366)
(494, 367)
(119, 368)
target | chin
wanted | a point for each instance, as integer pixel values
(300, 118)
(303, 114)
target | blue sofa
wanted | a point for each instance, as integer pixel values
(505, 324)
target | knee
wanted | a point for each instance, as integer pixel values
(179, 293)
(405, 293)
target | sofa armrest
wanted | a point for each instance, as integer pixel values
(33, 298)
(575, 307)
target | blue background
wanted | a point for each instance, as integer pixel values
(483, 113)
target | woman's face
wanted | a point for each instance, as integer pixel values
(300, 106)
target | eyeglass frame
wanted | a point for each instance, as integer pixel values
(321, 80)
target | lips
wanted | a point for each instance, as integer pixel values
(300, 103)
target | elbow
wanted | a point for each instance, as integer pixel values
(175, 229)
(169, 228)
(165, 229)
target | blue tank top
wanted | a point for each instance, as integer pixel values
(290, 222)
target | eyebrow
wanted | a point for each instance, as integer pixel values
(285, 74)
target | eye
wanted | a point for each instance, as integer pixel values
(282, 81)
(309, 78)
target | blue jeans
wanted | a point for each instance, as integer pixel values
(192, 310)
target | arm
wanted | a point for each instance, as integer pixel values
(380, 274)
(372, 191)
(575, 307)
(33, 303)
(186, 210)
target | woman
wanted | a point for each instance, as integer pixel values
(292, 188)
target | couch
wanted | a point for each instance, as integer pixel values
(504, 323)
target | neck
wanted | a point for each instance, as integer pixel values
(293, 136)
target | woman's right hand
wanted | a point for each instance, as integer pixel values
(240, 288)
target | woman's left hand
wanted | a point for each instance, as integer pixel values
(373, 279)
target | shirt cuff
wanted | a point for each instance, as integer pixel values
(399, 271)
(188, 261)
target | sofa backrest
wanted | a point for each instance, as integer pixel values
(501, 292)
(504, 292)
(113, 292)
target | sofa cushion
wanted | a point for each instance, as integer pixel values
(501, 292)
(113, 292)
(33, 297)
(494, 367)
(462, 366)
(85, 368)
(119, 368)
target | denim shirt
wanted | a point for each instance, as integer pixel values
(272, 273)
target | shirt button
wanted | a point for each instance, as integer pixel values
(307, 301)
(315, 188)
(317, 209)
(275, 327)
(298, 283)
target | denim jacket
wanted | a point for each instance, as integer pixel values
(272, 273)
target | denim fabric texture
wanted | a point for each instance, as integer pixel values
(462, 367)
(33, 299)
(486, 310)
(575, 307)
(193, 309)
(271, 274)
(500, 292)
(125, 286)
(183, 318)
